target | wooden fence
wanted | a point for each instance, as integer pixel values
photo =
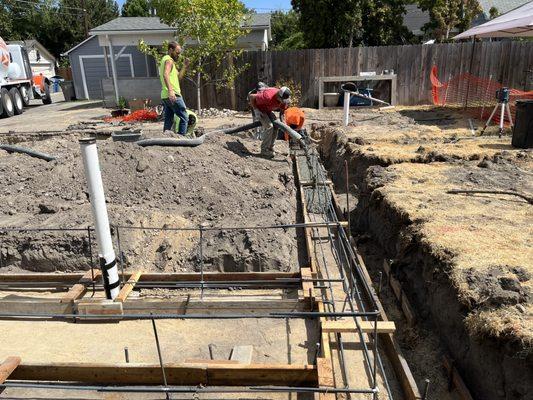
(508, 62)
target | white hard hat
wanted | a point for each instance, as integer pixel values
(284, 93)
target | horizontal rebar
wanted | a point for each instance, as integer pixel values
(184, 389)
(272, 315)
(165, 228)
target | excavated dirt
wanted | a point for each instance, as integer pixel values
(464, 260)
(222, 183)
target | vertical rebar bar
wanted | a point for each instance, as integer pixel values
(347, 176)
(160, 357)
(375, 367)
(201, 262)
(426, 390)
(127, 355)
(92, 261)
(380, 282)
(120, 256)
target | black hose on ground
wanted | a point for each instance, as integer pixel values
(24, 150)
(236, 129)
(171, 142)
(198, 141)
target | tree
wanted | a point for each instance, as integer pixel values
(382, 23)
(209, 29)
(447, 15)
(57, 24)
(136, 8)
(286, 33)
(351, 22)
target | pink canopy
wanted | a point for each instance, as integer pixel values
(515, 23)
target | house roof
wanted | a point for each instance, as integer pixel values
(415, 18)
(31, 43)
(132, 24)
(258, 20)
(502, 6)
(66, 53)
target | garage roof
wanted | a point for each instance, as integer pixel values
(132, 24)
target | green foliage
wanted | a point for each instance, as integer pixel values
(122, 103)
(447, 15)
(286, 34)
(330, 23)
(208, 31)
(493, 12)
(57, 24)
(136, 8)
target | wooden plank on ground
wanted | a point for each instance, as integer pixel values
(458, 382)
(78, 290)
(325, 377)
(128, 287)
(177, 374)
(342, 326)
(202, 361)
(8, 366)
(34, 306)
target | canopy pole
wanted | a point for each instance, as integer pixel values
(470, 71)
(113, 67)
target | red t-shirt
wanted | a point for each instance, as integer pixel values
(267, 100)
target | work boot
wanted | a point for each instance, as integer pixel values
(169, 133)
(267, 154)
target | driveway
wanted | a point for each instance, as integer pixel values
(53, 117)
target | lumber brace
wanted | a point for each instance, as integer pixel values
(176, 374)
(128, 287)
(349, 325)
(7, 367)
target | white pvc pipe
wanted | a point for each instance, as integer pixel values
(346, 108)
(106, 253)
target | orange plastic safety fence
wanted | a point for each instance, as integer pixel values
(477, 95)
(144, 115)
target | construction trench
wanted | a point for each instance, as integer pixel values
(239, 279)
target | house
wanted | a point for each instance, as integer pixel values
(415, 18)
(500, 6)
(108, 65)
(41, 60)
(260, 33)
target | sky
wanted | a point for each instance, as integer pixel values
(259, 5)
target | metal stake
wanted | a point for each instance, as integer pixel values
(160, 357)
(126, 355)
(120, 256)
(347, 198)
(92, 261)
(202, 262)
(426, 390)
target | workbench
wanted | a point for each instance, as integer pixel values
(390, 77)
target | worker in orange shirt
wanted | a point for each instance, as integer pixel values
(264, 102)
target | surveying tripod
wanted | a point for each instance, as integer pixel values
(502, 95)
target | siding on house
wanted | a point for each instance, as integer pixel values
(95, 67)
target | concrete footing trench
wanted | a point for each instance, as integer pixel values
(350, 271)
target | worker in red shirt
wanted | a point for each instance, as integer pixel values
(264, 102)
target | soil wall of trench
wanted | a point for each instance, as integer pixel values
(490, 367)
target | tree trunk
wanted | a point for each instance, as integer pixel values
(199, 91)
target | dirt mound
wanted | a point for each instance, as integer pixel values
(221, 183)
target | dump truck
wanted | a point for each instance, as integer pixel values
(17, 83)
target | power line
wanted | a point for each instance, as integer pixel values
(41, 5)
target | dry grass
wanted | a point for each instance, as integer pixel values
(476, 233)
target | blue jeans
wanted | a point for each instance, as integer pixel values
(175, 108)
